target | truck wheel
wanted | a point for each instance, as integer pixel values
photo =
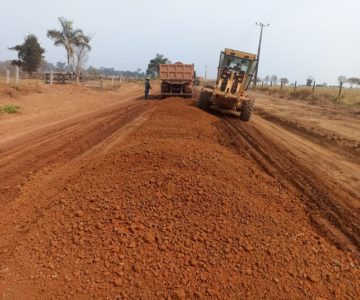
(246, 110)
(204, 101)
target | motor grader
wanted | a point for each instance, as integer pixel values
(235, 72)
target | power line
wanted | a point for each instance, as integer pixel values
(294, 7)
(274, 16)
(259, 49)
(249, 33)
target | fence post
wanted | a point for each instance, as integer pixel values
(295, 86)
(281, 85)
(17, 75)
(101, 82)
(271, 83)
(112, 80)
(313, 89)
(340, 89)
(7, 76)
(262, 84)
(120, 78)
(51, 77)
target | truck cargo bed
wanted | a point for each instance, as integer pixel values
(176, 79)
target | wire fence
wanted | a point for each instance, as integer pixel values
(313, 92)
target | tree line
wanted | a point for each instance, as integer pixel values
(273, 79)
(77, 46)
(351, 81)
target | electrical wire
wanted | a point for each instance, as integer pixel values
(276, 15)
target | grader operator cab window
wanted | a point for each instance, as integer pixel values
(230, 63)
(234, 63)
(239, 65)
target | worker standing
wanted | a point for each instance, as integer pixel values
(147, 87)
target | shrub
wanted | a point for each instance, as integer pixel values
(9, 109)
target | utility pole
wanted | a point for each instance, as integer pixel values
(259, 50)
(206, 67)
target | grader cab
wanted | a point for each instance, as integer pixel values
(235, 73)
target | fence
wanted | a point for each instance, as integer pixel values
(50, 78)
(294, 86)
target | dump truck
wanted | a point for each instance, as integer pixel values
(176, 79)
(235, 72)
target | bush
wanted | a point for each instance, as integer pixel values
(9, 109)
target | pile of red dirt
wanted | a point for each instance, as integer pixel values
(168, 213)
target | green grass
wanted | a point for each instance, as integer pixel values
(9, 108)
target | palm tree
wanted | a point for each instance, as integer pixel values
(69, 38)
(153, 67)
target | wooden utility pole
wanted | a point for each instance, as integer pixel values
(259, 50)
(340, 89)
(7, 76)
(206, 68)
(17, 70)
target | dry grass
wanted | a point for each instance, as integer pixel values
(321, 95)
(13, 90)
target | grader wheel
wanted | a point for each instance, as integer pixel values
(246, 110)
(204, 101)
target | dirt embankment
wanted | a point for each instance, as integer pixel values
(326, 125)
(175, 205)
(44, 105)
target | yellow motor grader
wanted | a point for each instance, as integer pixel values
(235, 73)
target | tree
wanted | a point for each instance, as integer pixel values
(46, 66)
(93, 71)
(69, 38)
(284, 80)
(341, 79)
(153, 67)
(60, 66)
(30, 54)
(353, 81)
(81, 55)
(309, 81)
(274, 79)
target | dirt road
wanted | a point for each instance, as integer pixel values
(158, 200)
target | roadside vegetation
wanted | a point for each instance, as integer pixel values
(9, 109)
(30, 55)
(75, 42)
(321, 95)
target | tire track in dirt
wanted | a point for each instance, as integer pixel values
(336, 221)
(60, 144)
(319, 136)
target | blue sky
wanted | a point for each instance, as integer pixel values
(306, 37)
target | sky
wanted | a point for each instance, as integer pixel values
(318, 38)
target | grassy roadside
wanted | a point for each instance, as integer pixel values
(321, 95)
